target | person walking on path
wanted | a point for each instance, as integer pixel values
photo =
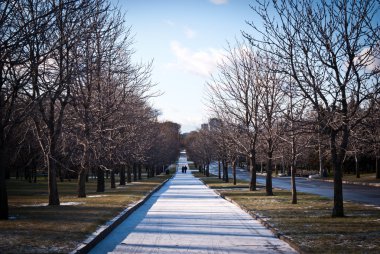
(185, 216)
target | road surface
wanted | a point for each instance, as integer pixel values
(351, 192)
(185, 216)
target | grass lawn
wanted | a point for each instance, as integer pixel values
(37, 228)
(364, 178)
(309, 224)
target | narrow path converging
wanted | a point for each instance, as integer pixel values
(185, 216)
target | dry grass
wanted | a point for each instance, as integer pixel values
(369, 178)
(364, 178)
(37, 228)
(309, 223)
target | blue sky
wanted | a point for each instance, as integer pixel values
(185, 38)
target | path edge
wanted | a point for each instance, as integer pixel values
(103, 230)
(277, 233)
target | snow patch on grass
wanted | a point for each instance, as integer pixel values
(62, 204)
(97, 196)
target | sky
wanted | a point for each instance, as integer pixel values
(185, 39)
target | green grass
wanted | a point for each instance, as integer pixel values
(59, 229)
(309, 223)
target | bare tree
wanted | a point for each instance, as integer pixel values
(328, 48)
(234, 97)
(270, 84)
(294, 130)
(52, 81)
(14, 78)
(371, 136)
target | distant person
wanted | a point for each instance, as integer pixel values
(185, 169)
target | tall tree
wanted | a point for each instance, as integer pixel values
(14, 79)
(234, 97)
(270, 84)
(328, 48)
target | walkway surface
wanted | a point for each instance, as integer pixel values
(185, 216)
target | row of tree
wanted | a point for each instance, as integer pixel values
(306, 79)
(72, 99)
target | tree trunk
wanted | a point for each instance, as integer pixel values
(100, 187)
(129, 174)
(3, 188)
(225, 170)
(34, 175)
(293, 168)
(357, 166)
(139, 171)
(122, 175)
(147, 169)
(320, 154)
(252, 168)
(219, 170)
(377, 167)
(234, 171)
(29, 175)
(294, 188)
(82, 183)
(52, 181)
(222, 171)
(60, 175)
(134, 172)
(208, 169)
(338, 210)
(268, 182)
(113, 184)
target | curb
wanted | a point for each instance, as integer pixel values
(103, 230)
(277, 233)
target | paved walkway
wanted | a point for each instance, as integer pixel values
(185, 216)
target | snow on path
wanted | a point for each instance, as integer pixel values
(185, 216)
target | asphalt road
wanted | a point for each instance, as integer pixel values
(351, 192)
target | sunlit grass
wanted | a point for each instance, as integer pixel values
(309, 223)
(37, 228)
(364, 178)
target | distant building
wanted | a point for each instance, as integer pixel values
(204, 126)
(214, 123)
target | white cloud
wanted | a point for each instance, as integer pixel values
(368, 58)
(169, 23)
(202, 62)
(190, 33)
(219, 1)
